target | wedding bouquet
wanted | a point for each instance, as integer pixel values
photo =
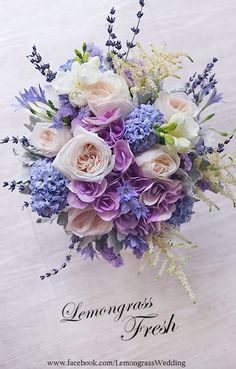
(118, 160)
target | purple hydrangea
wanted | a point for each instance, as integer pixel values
(48, 189)
(183, 212)
(139, 127)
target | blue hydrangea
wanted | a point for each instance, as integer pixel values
(48, 189)
(183, 212)
(139, 127)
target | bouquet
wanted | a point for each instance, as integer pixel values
(117, 159)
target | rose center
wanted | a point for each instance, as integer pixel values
(161, 164)
(47, 137)
(178, 104)
(88, 159)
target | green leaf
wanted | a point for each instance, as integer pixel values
(222, 133)
(84, 47)
(204, 164)
(62, 219)
(85, 57)
(112, 241)
(78, 53)
(49, 114)
(208, 118)
(52, 106)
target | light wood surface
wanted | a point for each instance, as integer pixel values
(31, 332)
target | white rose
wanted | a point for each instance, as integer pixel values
(86, 157)
(109, 93)
(185, 133)
(158, 162)
(76, 81)
(85, 222)
(49, 141)
(169, 104)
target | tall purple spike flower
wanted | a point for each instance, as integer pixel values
(33, 95)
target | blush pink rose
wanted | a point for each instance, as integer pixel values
(85, 222)
(86, 157)
(109, 93)
(170, 104)
(49, 141)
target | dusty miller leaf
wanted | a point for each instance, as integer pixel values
(113, 242)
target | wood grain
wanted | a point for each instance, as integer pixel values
(31, 332)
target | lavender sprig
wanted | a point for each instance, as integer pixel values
(44, 68)
(54, 271)
(130, 44)
(20, 185)
(74, 240)
(112, 37)
(200, 85)
(203, 150)
(23, 140)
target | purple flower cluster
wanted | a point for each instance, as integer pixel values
(109, 255)
(48, 188)
(183, 212)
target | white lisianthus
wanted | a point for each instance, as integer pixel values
(184, 134)
(49, 141)
(76, 81)
(170, 104)
(158, 162)
(86, 157)
(108, 93)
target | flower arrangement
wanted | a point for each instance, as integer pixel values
(118, 160)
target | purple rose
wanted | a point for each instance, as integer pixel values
(107, 205)
(83, 193)
(160, 198)
(126, 223)
(117, 129)
(123, 156)
(129, 224)
(96, 124)
(74, 201)
(139, 183)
